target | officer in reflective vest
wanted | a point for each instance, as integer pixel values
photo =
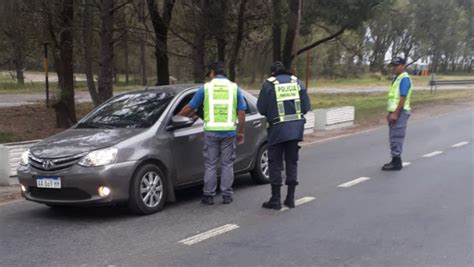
(223, 103)
(283, 101)
(398, 107)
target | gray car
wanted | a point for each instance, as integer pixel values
(133, 149)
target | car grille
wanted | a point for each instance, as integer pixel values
(58, 194)
(53, 165)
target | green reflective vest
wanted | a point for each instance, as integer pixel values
(287, 92)
(220, 105)
(393, 97)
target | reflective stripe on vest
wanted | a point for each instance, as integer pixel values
(287, 92)
(393, 97)
(220, 105)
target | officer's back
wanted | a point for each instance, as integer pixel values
(290, 130)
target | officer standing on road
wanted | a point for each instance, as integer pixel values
(398, 107)
(283, 101)
(223, 103)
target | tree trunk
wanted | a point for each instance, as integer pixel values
(106, 57)
(19, 63)
(199, 50)
(126, 54)
(220, 36)
(160, 26)
(292, 25)
(276, 30)
(141, 10)
(87, 49)
(238, 40)
(65, 106)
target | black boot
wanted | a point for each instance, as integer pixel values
(290, 197)
(395, 165)
(275, 200)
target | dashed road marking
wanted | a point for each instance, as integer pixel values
(432, 154)
(208, 234)
(300, 201)
(460, 144)
(406, 163)
(354, 182)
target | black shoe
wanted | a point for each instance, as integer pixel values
(395, 165)
(227, 199)
(290, 197)
(208, 200)
(275, 201)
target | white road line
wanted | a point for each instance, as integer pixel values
(406, 163)
(432, 154)
(460, 144)
(354, 182)
(208, 234)
(300, 201)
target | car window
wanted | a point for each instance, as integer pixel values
(140, 110)
(251, 108)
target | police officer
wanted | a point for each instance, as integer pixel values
(398, 107)
(223, 103)
(283, 101)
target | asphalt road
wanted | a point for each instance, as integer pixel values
(420, 216)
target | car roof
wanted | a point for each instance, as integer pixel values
(172, 89)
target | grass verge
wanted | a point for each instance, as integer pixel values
(370, 107)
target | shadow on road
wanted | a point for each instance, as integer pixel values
(120, 211)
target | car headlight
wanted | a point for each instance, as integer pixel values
(24, 158)
(99, 157)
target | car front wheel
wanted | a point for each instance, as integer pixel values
(147, 190)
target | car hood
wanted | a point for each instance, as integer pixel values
(76, 141)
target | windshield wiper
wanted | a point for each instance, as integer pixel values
(96, 125)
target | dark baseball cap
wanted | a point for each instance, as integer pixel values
(397, 61)
(277, 66)
(215, 66)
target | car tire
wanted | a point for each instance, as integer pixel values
(260, 173)
(148, 190)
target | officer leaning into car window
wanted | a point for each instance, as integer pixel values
(399, 110)
(223, 103)
(283, 100)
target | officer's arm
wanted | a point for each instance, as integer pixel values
(187, 111)
(241, 127)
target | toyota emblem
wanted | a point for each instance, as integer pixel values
(47, 164)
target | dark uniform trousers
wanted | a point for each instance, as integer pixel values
(289, 152)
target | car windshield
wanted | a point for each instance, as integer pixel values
(139, 110)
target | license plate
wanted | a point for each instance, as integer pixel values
(48, 182)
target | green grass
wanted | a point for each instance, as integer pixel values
(7, 138)
(370, 107)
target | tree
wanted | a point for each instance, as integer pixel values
(59, 21)
(161, 25)
(87, 43)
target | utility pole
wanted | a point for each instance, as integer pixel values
(46, 78)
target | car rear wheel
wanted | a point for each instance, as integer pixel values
(260, 173)
(147, 190)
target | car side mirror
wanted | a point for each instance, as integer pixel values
(179, 122)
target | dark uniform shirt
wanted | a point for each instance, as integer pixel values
(267, 106)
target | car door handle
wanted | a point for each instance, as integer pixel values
(257, 124)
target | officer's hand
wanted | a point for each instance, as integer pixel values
(240, 138)
(393, 117)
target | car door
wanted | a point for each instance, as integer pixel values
(255, 132)
(186, 145)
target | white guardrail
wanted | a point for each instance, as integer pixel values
(319, 119)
